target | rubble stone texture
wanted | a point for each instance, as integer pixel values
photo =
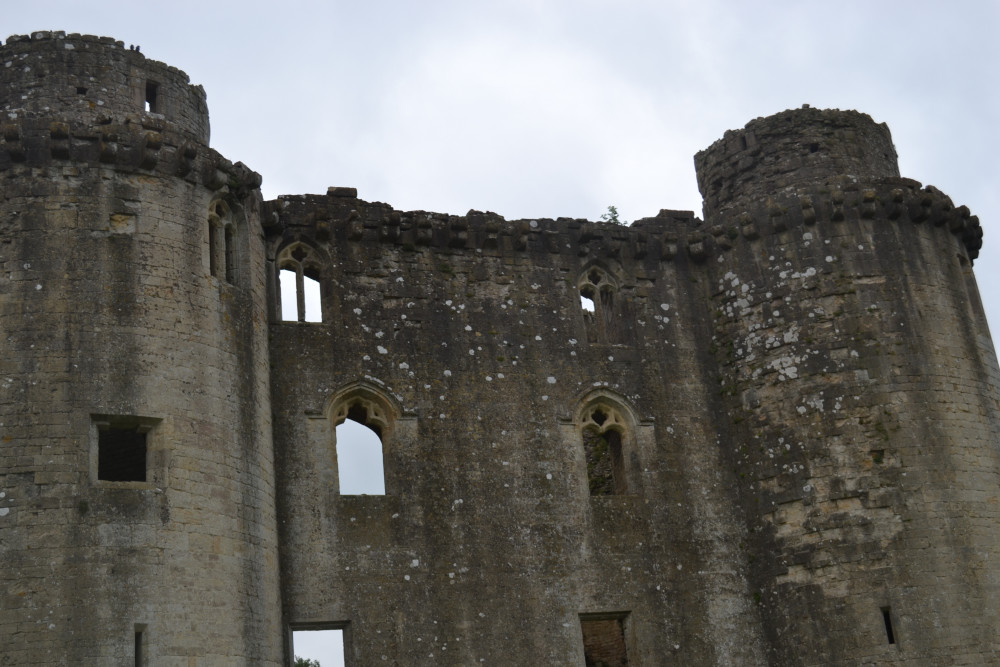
(772, 442)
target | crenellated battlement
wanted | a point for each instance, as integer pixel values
(140, 142)
(342, 217)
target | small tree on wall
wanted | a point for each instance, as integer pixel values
(612, 216)
(305, 662)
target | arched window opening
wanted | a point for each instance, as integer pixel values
(299, 287)
(360, 425)
(602, 433)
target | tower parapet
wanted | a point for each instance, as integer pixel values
(792, 148)
(50, 74)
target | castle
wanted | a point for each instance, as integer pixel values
(770, 437)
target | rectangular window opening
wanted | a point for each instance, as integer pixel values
(152, 90)
(323, 646)
(887, 619)
(120, 448)
(604, 642)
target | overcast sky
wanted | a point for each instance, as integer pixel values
(549, 108)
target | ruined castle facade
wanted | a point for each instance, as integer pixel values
(770, 440)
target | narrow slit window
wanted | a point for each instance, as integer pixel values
(887, 620)
(359, 455)
(604, 640)
(230, 255)
(139, 652)
(152, 97)
(325, 647)
(213, 257)
(121, 454)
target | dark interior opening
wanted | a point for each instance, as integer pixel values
(121, 454)
(604, 642)
(151, 97)
(80, 90)
(887, 619)
(359, 413)
(138, 648)
(230, 255)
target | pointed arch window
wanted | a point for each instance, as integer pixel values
(299, 287)
(361, 422)
(598, 293)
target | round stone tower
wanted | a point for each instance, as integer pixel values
(136, 479)
(862, 394)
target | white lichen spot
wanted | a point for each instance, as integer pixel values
(468, 327)
(550, 380)
(489, 378)
(447, 373)
(415, 562)
(38, 287)
(382, 350)
(664, 307)
(472, 352)
(538, 337)
(548, 475)
(379, 334)
(545, 397)
(406, 577)
(403, 366)
(357, 311)
(4, 511)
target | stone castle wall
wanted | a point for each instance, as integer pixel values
(771, 442)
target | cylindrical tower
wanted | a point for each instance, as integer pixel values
(863, 395)
(136, 476)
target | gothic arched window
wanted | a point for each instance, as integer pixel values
(299, 288)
